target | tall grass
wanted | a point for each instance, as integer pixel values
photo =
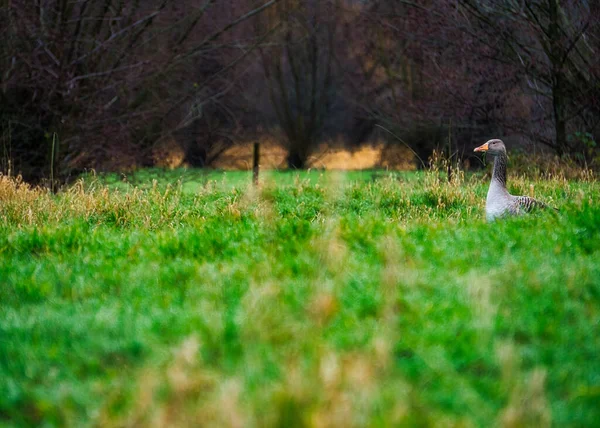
(320, 299)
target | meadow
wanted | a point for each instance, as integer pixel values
(369, 298)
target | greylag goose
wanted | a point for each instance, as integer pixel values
(499, 202)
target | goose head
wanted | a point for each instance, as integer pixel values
(492, 147)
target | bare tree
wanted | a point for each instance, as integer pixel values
(92, 82)
(298, 67)
(555, 46)
(434, 71)
(413, 75)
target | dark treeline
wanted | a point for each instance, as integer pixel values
(102, 83)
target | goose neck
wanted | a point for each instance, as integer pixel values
(499, 172)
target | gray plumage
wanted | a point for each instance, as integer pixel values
(499, 202)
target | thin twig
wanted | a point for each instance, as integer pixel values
(403, 142)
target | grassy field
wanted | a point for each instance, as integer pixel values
(190, 298)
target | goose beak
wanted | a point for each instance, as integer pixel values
(482, 148)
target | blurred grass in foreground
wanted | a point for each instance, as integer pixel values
(319, 299)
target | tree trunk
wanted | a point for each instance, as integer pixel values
(560, 126)
(556, 58)
(297, 156)
(255, 163)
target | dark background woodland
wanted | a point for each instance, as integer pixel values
(100, 83)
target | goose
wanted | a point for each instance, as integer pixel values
(499, 202)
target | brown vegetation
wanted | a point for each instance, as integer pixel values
(274, 155)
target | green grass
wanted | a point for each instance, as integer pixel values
(319, 299)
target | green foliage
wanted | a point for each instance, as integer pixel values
(316, 299)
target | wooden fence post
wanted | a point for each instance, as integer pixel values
(255, 163)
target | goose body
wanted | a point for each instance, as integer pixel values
(499, 202)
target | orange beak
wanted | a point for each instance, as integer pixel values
(482, 148)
